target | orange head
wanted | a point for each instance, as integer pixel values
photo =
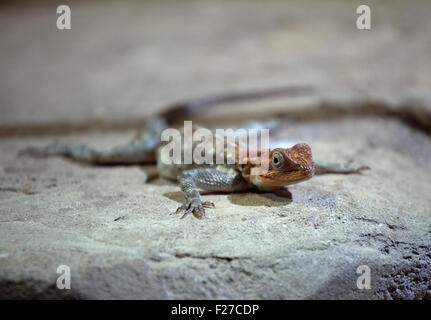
(286, 166)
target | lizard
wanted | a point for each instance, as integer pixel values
(286, 166)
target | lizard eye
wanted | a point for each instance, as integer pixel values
(277, 160)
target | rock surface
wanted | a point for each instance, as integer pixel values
(112, 226)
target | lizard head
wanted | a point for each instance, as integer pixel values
(286, 166)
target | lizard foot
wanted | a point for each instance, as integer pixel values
(195, 207)
(350, 167)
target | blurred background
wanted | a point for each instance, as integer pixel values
(124, 60)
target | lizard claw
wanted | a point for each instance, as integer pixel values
(195, 207)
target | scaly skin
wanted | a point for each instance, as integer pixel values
(286, 165)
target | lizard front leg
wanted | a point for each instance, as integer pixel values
(345, 167)
(219, 179)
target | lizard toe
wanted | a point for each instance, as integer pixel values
(358, 169)
(208, 204)
(364, 168)
(180, 209)
(194, 207)
(185, 214)
(350, 167)
(199, 212)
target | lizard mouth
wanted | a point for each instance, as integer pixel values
(295, 176)
(279, 179)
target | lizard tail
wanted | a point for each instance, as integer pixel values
(184, 109)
